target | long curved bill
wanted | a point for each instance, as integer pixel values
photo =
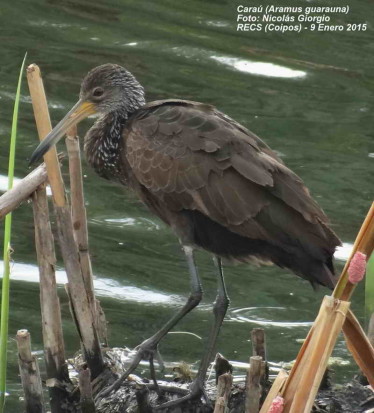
(81, 110)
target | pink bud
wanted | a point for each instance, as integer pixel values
(277, 405)
(357, 268)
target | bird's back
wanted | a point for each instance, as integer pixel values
(223, 189)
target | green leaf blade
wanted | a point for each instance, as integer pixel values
(4, 321)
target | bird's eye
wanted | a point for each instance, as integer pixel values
(97, 92)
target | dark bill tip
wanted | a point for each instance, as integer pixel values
(39, 152)
(79, 111)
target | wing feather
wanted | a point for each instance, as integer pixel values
(190, 156)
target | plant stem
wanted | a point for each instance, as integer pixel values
(7, 252)
(369, 299)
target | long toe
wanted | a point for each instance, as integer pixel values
(196, 392)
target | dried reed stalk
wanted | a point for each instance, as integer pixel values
(328, 326)
(357, 342)
(80, 302)
(300, 388)
(302, 385)
(83, 316)
(43, 124)
(79, 218)
(276, 388)
(364, 243)
(78, 210)
(54, 349)
(292, 381)
(20, 192)
(360, 346)
(30, 376)
(371, 330)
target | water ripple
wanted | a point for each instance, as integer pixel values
(267, 316)
(146, 223)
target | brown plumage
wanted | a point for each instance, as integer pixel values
(218, 185)
(222, 189)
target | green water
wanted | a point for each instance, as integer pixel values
(319, 119)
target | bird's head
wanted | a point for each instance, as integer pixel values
(106, 88)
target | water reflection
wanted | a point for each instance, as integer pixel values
(4, 184)
(259, 68)
(242, 65)
(104, 287)
(343, 252)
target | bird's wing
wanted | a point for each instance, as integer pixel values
(193, 157)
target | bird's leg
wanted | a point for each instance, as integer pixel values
(219, 310)
(149, 348)
(153, 374)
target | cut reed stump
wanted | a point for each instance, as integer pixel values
(258, 342)
(253, 385)
(54, 352)
(223, 393)
(86, 401)
(142, 398)
(30, 376)
(259, 349)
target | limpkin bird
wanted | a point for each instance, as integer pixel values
(216, 184)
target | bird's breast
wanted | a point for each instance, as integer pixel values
(102, 147)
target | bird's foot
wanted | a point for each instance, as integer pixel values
(148, 350)
(196, 391)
